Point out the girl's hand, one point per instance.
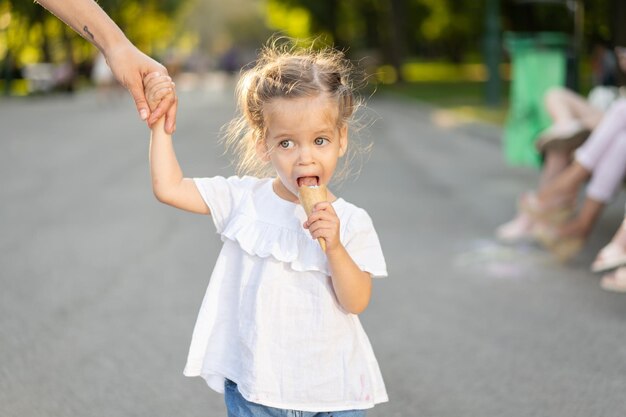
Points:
(159, 88)
(324, 223)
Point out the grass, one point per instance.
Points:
(466, 98)
(456, 88)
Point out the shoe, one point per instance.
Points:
(562, 248)
(517, 230)
(554, 213)
(614, 281)
(562, 136)
(611, 256)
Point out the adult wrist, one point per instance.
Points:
(112, 42)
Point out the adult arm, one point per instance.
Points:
(128, 64)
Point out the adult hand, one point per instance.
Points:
(129, 65)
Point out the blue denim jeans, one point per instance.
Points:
(237, 406)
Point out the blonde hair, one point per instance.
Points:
(285, 71)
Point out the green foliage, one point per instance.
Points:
(35, 35)
(448, 29)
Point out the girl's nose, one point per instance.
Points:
(305, 156)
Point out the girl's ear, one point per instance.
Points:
(343, 140)
(261, 150)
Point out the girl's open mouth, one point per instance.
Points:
(308, 181)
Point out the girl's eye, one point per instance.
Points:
(320, 141)
(285, 144)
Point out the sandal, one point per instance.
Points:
(517, 230)
(562, 136)
(562, 248)
(609, 257)
(614, 281)
(555, 213)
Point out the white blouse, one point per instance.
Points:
(270, 320)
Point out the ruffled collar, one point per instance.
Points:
(266, 225)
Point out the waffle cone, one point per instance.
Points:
(309, 197)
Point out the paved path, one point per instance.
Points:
(100, 284)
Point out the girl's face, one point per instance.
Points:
(302, 141)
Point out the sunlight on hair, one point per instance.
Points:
(285, 69)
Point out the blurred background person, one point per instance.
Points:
(602, 160)
(573, 119)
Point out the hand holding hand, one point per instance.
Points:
(158, 88)
(324, 223)
(130, 66)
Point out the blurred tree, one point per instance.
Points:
(396, 28)
(34, 35)
(429, 29)
(220, 26)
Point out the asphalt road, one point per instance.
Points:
(100, 284)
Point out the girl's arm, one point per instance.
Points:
(168, 183)
(353, 287)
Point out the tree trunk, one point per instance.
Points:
(619, 29)
(396, 31)
(619, 20)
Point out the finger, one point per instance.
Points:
(163, 106)
(161, 85)
(158, 95)
(170, 117)
(319, 225)
(324, 214)
(155, 81)
(151, 77)
(322, 233)
(136, 90)
(324, 206)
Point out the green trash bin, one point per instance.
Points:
(538, 62)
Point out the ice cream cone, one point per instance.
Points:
(309, 197)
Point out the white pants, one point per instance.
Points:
(604, 154)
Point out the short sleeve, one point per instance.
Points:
(222, 196)
(363, 245)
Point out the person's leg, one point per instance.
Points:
(564, 187)
(609, 174)
(521, 226)
(613, 123)
(555, 161)
(605, 181)
(604, 144)
(581, 225)
(573, 118)
(564, 105)
(567, 239)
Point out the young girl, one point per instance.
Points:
(278, 330)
